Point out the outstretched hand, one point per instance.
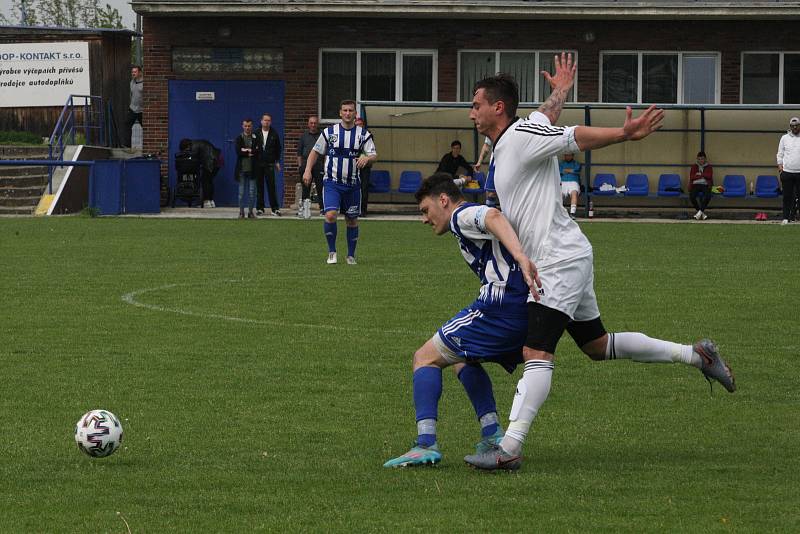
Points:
(643, 125)
(564, 75)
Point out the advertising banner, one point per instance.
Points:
(42, 74)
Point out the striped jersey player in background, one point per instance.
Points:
(491, 329)
(347, 149)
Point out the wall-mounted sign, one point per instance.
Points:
(43, 74)
(204, 95)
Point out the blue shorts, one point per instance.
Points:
(475, 335)
(343, 198)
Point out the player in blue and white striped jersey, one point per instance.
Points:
(347, 149)
(492, 328)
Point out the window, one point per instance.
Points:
(523, 65)
(381, 75)
(191, 59)
(771, 78)
(659, 77)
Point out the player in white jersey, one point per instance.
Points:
(491, 329)
(347, 149)
(527, 180)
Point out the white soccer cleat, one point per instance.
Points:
(351, 260)
(331, 258)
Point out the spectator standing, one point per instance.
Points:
(365, 174)
(701, 180)
(347, 149)
(570, 171)
(304, 147)
(267, 163)
(453, 161)
(246, 153)
(789, 168)
(136, 106)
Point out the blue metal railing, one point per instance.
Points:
(93, 125)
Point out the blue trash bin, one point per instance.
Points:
(142, 186)
(105, 186)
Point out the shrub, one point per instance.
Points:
(23, 138)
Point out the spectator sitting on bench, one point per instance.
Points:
(701, 180)
(453, 163)
(570, 181)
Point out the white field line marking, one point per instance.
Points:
(130, 298)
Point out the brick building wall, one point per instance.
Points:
(301, 39)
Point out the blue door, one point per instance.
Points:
(213, 110)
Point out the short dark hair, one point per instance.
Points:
(136, 67)
(266, 115)
(501, 87)
(435, 185)
(247, 119)
(347, 102)
(185, 144)
(701, 154)
(455, 143)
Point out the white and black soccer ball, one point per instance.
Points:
(98, 433)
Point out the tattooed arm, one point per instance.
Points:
(560, 83)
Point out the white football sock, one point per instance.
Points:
(532, 391)
(573, 208)
(640, 348)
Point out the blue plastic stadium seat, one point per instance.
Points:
(669, 185)
(734, 186)
(601, 179)
(380, 182)
(767, 186)
(409, 181)
(637, 185)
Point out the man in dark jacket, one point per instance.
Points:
(453, 161)
(267, 162)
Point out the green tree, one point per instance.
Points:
(26, 7)
(65, 13)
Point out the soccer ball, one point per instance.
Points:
(98, 433)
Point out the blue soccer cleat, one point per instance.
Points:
(487, 443)
(713, 366)
(417, 456)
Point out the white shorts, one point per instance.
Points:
(568, 287)
(569, 187)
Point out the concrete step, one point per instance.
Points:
(38, 180)
(20, 201)
(16, 210)
(21, 192)
(22, 170)
(23, 152)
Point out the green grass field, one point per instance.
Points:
(262, 390)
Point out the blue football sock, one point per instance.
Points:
(352, 240)
(330, 235)
(478, 386)
(427, 390)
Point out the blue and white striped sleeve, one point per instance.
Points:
(472, 222)
(321, 146)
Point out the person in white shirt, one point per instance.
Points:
(789, 169)
(527, 181)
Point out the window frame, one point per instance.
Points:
(497, 52)
(781, 71)
(680, 55)
(400, 53)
